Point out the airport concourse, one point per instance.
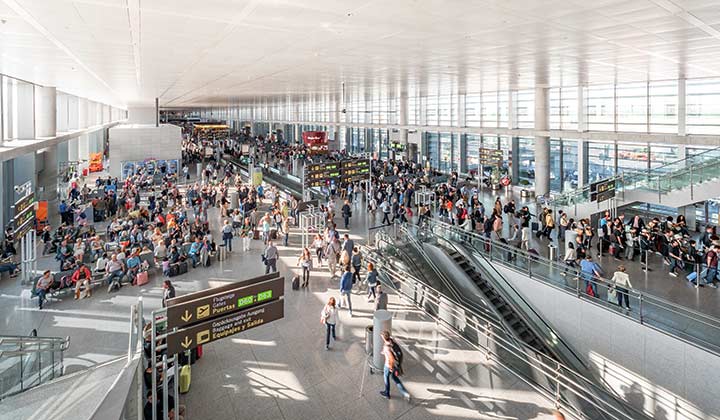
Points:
(294, 210)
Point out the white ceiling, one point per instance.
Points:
(190, 52)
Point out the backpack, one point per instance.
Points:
(398, 356)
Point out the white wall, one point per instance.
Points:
(139, 142)
(667, 377)
(141, 115)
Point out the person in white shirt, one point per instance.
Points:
(621, 280)
(329, 317)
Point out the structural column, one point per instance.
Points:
(45, 111)
(682, 109)
(542, 143)
(402, 122)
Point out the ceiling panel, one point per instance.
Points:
(185, 52)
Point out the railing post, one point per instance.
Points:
(659, 192)
(557, 386)
(641, 308)
(488, 328)
(697, 275)
(692, 188)
(39, 364)
(22, 385)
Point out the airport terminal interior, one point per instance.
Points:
(318, 209)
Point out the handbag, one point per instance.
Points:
(612, 295)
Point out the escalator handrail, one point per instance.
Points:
(647, 299)
(550, 368)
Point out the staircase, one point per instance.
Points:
(520, 328)
(29, 361)
(676, 184)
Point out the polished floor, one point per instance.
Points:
(282, 370)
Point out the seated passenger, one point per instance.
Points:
(115, 271)
(9, 267)
(43, 287)
(101, 263)
(81, 277)
(133, 264)
(194, 252)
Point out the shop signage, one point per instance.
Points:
(224, 302)
(225, 326)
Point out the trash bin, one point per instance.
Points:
(369, 340)
(552, 252)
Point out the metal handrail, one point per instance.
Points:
(647, 301)
(565, 379)
(631, 176)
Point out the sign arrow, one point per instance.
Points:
(187, 343)
(187, 316)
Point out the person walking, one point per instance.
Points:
(270, 256)
(168, 292)
(711, 259)
(590, 271)
(305, 261)
(227, 235)
(346, 211)
(346, 289)
(621, 280)
(356, 262)
(332, 253)
(393, 366)
(372, 281)
(246, 233)
(329, 317)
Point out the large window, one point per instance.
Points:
(600, 107)
(472, 147)
(489, 109)
(554, 103)
(431, 110)
(524, 103)
(632, 107)
(433, 152)
(526, 161)
(663, 102)
(413, 110)
(601, 161)
(445, 109)
(569, 164)
(555, 165)
(473, 110)
(663, 157)
(445, 152)
(703, 106)
(632, 157)
(503, 110)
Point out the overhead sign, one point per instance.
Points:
(347, 170)
(224, 302)
(602, 190)
(491, 157)
(24, 203)
(230, 286)
(225, 326)
(26, 227)
(24, 215)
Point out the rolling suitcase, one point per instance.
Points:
(142, 278)
(296, 283)
(182, 267)
(174, 270)
(256, 234)
(184, 384)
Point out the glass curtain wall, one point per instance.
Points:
(472, 147)
(526, 161)
(703, 106)
(601, 161)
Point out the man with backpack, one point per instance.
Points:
(393, 366)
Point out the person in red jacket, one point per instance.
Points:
(82, 275)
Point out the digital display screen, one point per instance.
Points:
(264, 295)
(245, 301)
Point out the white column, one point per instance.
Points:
(460, 104)
(682, 107)
(62, 112)
(73, 150)
(45, 111)
(511, 110)
(580, 109)
(581, 162)
(542, 143)
(23, 118)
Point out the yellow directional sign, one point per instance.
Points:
(224, 302)
(186, 343)
(225, 326)
(187, 316)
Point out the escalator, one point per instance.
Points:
(495, 296)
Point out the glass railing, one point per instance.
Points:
(568, 389)
(26, 362)
(661, 180)
(683, 323)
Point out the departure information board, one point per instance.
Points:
(602, 190)
(326, 173)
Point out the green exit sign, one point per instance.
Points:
(245, 301)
